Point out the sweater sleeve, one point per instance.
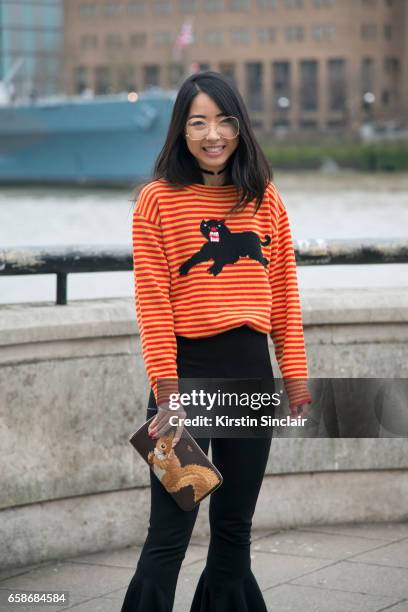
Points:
(152, 298)
(286, 318)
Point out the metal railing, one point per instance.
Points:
(72, 259)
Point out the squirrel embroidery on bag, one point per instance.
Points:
(167, 467)
(225, 247)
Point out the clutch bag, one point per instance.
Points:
(185, 470)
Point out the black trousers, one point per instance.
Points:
(227, 583)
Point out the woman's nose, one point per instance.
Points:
(212, 132)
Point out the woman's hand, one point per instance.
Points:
(160, 423)
(302, 410)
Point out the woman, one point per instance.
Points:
(215, 273)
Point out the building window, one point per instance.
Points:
(308, 124)
(162, 39)
(369, 31)
(323, 32)
(175, 73)
(240, 36)
(388, 31)
(337, 84)
(337, 123)
(266, 35)
(254, 86)
(293, 4)
(367, 79)
(294, 33)
(138, 39)
(281, 85)
(214, 37)
(151, 75)
(188, 6)
(239, 5)
(113, 41)
(309, 85)
(282, 124)
(80, 79)
(87, 10)
(391, 66)
(88, 41)
(162, 7)
(367, 74)
(214, 6)
(392, 70)
(136, 8)
(126, 78)
(324, 3)
(267, 5)
(103, 80)
(111, 9)
(389, 2)
(228, 71)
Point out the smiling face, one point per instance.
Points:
(213, 151)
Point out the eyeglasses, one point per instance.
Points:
(228, 128)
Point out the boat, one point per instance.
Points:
(84, 139)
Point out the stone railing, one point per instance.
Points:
(73, 389)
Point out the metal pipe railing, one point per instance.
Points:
(71, 259)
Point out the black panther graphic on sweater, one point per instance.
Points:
(225, 247)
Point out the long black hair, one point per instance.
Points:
(247, 167)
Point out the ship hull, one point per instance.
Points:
(100, 141)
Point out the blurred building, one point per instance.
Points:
(300, 64)
(31, 36)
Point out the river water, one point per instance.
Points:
(320, 205)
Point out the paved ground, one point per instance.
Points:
(342, 568)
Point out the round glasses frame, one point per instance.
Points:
(217, 126)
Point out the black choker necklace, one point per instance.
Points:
(210, 172)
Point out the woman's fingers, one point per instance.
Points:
(161, 425)
(301, 410)
(152, 425)
(162, 429)
(179, 432)
(161, 416)
(296, 411)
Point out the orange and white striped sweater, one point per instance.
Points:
(187, 282)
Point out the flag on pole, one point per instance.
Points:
(185, 37)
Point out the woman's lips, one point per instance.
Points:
(213, 151)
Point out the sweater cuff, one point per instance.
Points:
(298, 391)
(163, 388)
